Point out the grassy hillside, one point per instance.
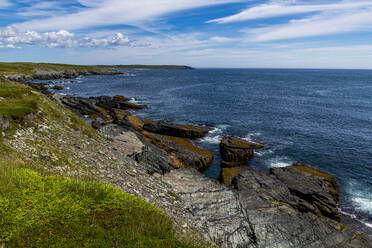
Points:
(29, 68)
(51, 193)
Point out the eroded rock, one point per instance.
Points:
(235, 151)
(317, 189)
(260, 212)
(177, 130)
(182, 151)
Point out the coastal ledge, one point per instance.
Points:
(258, 210)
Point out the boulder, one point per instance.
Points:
(154, 160)
(177, 130)
(118, 102)
(57, 87)
(118, 114)
(235, 151)
(317, 190)
(4, 123)
(183, 152)
(41, 87)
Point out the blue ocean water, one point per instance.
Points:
(319, 117)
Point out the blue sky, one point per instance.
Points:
(200, 33)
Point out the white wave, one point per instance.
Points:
(278, 162)
(212, 139)
(353, 216)
(263, 152)
(134, 101)
(362, 199)
(363, 204)
(250, 136)
(67, 88)
(215, 135)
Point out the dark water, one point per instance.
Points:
(319, 117)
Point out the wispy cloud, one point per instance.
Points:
(276, 9)
(324, 19)
(12, 38)
(4, 4)
(112, 12)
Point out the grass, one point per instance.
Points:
(29, 68)
(17, 100)
(40, 208)
(52, 211)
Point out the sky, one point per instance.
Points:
(200, 33)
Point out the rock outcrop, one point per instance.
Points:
(260, 212)
(183, 152)
(172, 129)
(235, 151)
(52, 75)
(105, 107)
(317, 190)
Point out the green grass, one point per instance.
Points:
(16, 100)
(52, 211)
(29, 68)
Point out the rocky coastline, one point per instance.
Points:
(58, 74)
(295, 206)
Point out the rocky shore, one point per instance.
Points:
(294, 206)
(53, 75)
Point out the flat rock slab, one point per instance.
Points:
(177, 130)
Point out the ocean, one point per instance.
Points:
(318, 117)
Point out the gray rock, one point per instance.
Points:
(154, 160)
(316, 189)
(259, 212)
(4, 123)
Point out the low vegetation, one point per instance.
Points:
(15, 100)
(52, 211)
(29, 68)
(42, 208)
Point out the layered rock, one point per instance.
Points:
(235, 151)
(316, 189)
(177, 130)
(105, 107)
(52, 75)
(259, 212)
(182, 151)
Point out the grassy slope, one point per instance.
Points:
(39, 209)
(29, 68)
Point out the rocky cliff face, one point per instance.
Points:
(260, 211)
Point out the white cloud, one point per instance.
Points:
(4, 4)
(61, 39)
(276, 9)
(324, 24)
(220, 39)
(322, 19)
(111, 12)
